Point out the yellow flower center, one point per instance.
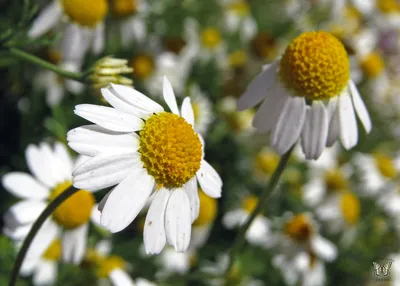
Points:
(240, 7)
(249, 203)
(170, 149)
(143, 66)
(388, 6)
(54, 56)
(86, 13)
(208, 210)
(124, 8)
(263, 45)
(107, 265)
(210, 38)
(315, 65)
(385, 165)
(237, 59)
(53, 252)
(372, 65)
(335, 180)
(350, 206)
(76, 210)
(267, 161)
(299, 228)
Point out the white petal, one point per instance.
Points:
(55, 94)
(177, 220)
(290, 124)
(347, 121)
(57, 169)
(126, 201)
(24, 212)
(334, 125)
(193, 195)
(268, 113)
(120, 278)
(46, 20)
(315, 130)
(92, 140)
(17, 232)
(46, 273)
(154, 228)
(187, 111)
(360, 108)
(105, 170)
(61, 152)
(169, 96)
(44, 237)
(74, 244)
(98, 39)
(258, 88)
(234, 218)
(323, 248)
(104, 247)
(109, 118)
(258, 231)
(28, 266)
(95, 216)
(24, 186)
(75, 43)
(210, 181)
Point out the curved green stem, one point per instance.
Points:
(35, 228)
(78, 76)
(266, 194)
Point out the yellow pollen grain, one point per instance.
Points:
(385, 165)
(237, 59)
(170, 149)
(76, 210)
(143, 66)
(240, 7)
(107, 265)
(372, 65)
(335, 180)
(299, 228)
(249, 203)
(124, 8)
(208, 210)
(350, 206)
(315, 65)
(86, 13)
(267, 161)
(210, 38)
(388, 6)
(53, 252)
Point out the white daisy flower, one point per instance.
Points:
(52, 174)
(202, 109)
(84, 29)
(258, 231)
(166, 151)
(309, 95)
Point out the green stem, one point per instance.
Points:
(35, 228)
(267, 193)
(78, 76)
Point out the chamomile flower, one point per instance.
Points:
(258, 231)
(308, 94)
(84, 29)
(165, 151)
(52, 174)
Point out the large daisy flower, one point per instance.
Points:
(52, 174)
(308, 94)
(136, 145)
(85, 28)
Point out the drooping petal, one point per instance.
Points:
(46, 272)
(154, 227)
(74, 244)
(315, 130)
(258, 88)
(209, 180)
(334, 126)
(169, 96)
(193, 194)
(347, 121)
(46, 20)
(359, 107)
(187, 111)
(24, 186)
(126, 201)
(290, 124)
(109, 118)
(120, 278)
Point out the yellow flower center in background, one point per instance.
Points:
(335, 180)
(249, 203)
(53, 252)
(170, 149)
(372, 65)
(210, 38)
(388, 6)
(76, 210)
(107, 265)
(124, 8)
(240, 7)
(86, 13)
(208, 210)
(263, 45)
(350, 206)
(143, 66)
(299, 228)
(267, 161)
(315, 65)
(385, 165)
(237, 59)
